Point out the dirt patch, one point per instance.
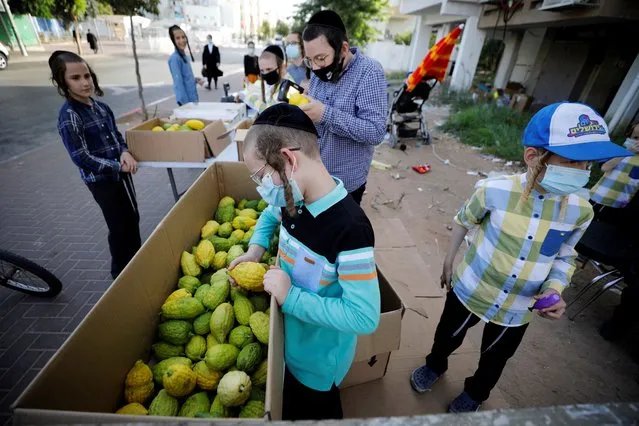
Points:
(559, 362)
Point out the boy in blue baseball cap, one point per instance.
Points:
(523, 249)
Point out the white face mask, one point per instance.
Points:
(561, 180)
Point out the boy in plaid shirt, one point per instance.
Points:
(522, 248)
(616, 202)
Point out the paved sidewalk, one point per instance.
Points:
(48, 215)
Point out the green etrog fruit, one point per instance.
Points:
(163, 350)
(202, 324)
(243, 309)
(249, 358)
(164, 405)
(175, 332)
(222, 356)
(196, 403)
(196, 348)
(241, 336)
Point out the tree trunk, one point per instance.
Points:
(145, 114)
(77, 36)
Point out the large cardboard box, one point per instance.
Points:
(189, 147)
(82, 383)
(240, 135)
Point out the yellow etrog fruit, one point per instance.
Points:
(177, 294)
(195, 124)
(210, 228)
(179, 380)
(249, 275)
(204, 253)
(244, 223)
(135, 409)
(189, 265)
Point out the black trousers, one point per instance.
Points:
(120, 209)
(303, 403)
(498, 344)
(358, 194)
(209, 78)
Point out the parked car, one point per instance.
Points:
(4, 57)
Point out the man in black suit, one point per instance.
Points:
(211, 61)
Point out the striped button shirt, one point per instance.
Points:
(354, 119)
(517, 251)
(91, 137)
(327, 250)
(617, 187)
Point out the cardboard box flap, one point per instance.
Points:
(275, 377)
(401, 276)
(387, 337)
(212, 137)
(391, 233)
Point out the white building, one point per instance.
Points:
(441, 16)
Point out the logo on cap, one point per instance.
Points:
(586, 127)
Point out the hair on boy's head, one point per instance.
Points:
(172, 30)
(58, 65)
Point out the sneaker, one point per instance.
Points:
(423, 379)
(463, 404)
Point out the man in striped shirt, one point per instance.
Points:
(349, 101)
(522, 249)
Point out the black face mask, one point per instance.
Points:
(271, 77)
(331, 73)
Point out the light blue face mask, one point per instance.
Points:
(628, 143)
(274, 194)
(561, 180)
(292, 51)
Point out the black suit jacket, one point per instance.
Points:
(211, 59)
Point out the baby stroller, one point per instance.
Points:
(407, 108)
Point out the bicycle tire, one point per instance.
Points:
(53, 284)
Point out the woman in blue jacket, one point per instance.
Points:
(184, 82)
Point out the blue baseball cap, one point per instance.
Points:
(574, 131)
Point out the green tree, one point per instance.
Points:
(265, 32)
(403, 38)
(70, 12)
(104, 9)
(131, 8)
(356, 14)
(281, 28)
(39, 8)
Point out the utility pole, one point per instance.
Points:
(5, 6)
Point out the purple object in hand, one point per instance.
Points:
(546, 302)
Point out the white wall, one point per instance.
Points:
(393, 57)
(527, 55)
(468, 57)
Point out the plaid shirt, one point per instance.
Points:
(94, 143)
(516, 252)
(617, 187)
(354, 119)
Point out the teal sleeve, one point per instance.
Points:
(267, 223)
(356, 311)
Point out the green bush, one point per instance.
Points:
(497, 130)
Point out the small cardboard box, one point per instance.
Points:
(240, 135)
(189, 147)
(83, 381)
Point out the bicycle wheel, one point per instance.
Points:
(23, 275)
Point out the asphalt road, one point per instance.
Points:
(29, 104)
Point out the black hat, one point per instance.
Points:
(286, 115)
(275, 50)
(327, 18)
